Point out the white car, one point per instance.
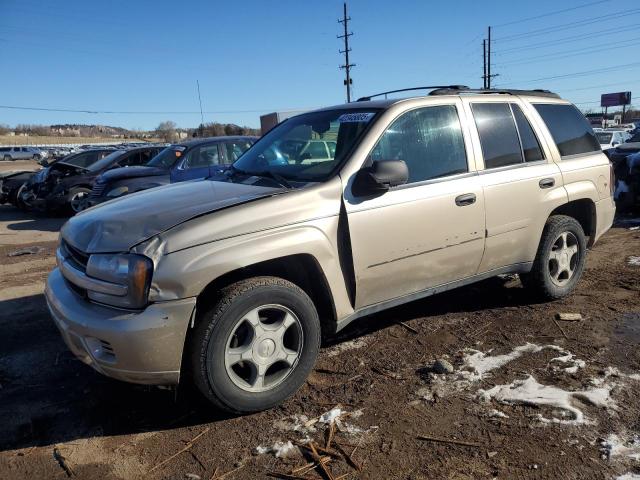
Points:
(21, 153)
(611, 138)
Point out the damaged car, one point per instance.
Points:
(185, 161)
(231, 282)
(65, 186)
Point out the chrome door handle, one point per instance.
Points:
(546, 183)
(466, 199)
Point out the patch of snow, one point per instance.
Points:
(530, 392)
(633, 261)
(477, 364)
(279, 449)
(629, 476)
(346, 346)
(330, 416)
(614, 446)
(493, 413)
(569, 358)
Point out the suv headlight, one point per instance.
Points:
(130, 270)
(118, 191)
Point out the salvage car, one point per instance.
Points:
(627, 191)
(186, 161)
(21, 153)
(66, 186)
(611, 138)
(14, 183)
(230, 282)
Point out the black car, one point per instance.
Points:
(66, 186)
(190, 160)
(13, 183)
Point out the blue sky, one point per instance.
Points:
(252, 57)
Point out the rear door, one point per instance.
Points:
(198, 162)
(430, 231)
(521, 183)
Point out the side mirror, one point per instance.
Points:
(380, 177)
(44, 163)
(613, 144)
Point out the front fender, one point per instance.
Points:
(186, 273)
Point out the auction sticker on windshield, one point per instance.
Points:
(355, 117)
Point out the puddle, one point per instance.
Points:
(629, 329)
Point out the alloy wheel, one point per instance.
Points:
(563, 258)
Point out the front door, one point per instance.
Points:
(425, 233)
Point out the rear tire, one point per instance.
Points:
(560, 259)
(7, 158)
(256, 346)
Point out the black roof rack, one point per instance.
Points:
(483, 91)
(460, 89)
(437, 87)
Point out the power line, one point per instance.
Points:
(574, 52)
(584, 73)
(566, 26)
(551, 13)
(129, 112)
(570, 39)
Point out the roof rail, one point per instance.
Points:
(437, 87)
(482, 91)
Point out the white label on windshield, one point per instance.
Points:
(355, 117)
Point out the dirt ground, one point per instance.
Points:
(529, 396)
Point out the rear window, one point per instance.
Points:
(569, 128)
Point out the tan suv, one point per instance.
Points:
(231, 281)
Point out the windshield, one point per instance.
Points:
(604, 137)
(167, 157)
(105, 162)
(307, 147)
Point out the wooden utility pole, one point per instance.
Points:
(489, 58)
(347, 66)
(484, 63)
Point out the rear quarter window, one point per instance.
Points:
(569, 128)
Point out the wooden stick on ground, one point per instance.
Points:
(446, 440)
(408, 327)
(189, 444)
(330, 433)
(316, 457)
(62, 461)
(349, 459)
(225, 475)
(560, 328)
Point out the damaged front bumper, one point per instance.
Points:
(139, 347)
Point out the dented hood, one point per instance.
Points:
(120, 224)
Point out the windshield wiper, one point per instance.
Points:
(279, 179)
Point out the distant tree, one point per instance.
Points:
(4, 129)
(167, 131)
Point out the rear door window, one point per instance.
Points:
(498, 134)
(530, 145)
(203, 156)
(569, 128)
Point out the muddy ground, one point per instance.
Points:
(57, 414)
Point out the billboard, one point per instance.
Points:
(615, 99)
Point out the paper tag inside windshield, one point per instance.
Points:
(361, 117)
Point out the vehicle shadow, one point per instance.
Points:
(48, 396)
(18, 220)
(496, 292)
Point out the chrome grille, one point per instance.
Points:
(79, 258)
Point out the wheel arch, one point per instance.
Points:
(301, 269)
(584, 211)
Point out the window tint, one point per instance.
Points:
(130, 160)
(235, 149)
(530, 146)
(429, 140)
(569, 128)
(498, 134)
(315, 150)
(201, 157)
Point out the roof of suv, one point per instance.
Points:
(452, 90)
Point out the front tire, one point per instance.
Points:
(78, 199)
(256, 346)
(560, 259)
